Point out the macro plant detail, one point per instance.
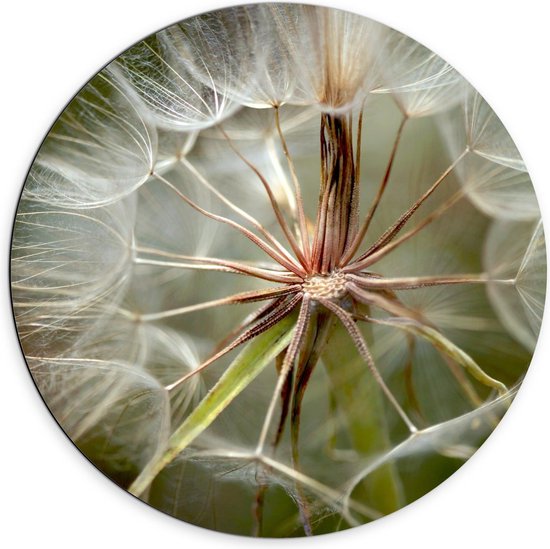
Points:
(278, 270)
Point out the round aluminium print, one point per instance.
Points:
(278, 270)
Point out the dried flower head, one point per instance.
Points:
(278, 270)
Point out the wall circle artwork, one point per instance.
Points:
(278, 270)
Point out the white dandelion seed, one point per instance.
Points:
(515, 253)
(100, 149)
(69, 268)
(493, 173)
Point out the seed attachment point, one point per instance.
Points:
(331, 286)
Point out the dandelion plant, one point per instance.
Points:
(278, 270)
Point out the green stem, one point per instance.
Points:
(242, 371)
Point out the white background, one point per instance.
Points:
(49, 493)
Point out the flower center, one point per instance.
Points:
(331, 286)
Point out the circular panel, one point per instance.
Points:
(278, 270)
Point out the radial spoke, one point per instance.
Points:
(390, 234)
(212, 263)
(289, 205)
(267, 266)
(291, 353)
(378, 300)
(180, 265)
(321, 218)
(379, 252)
(291, 266)
(358, 145)
(244, 297)
(263, 325)
(410, 321)
(286, 393)
(444, 345)
(248, 321)
(297, 191)
(275, 206)
(376, 201)
(359, 341)
(414, 282)
(306, 365)
(270, 238)
(455, 370)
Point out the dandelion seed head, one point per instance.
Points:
(278, 269)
